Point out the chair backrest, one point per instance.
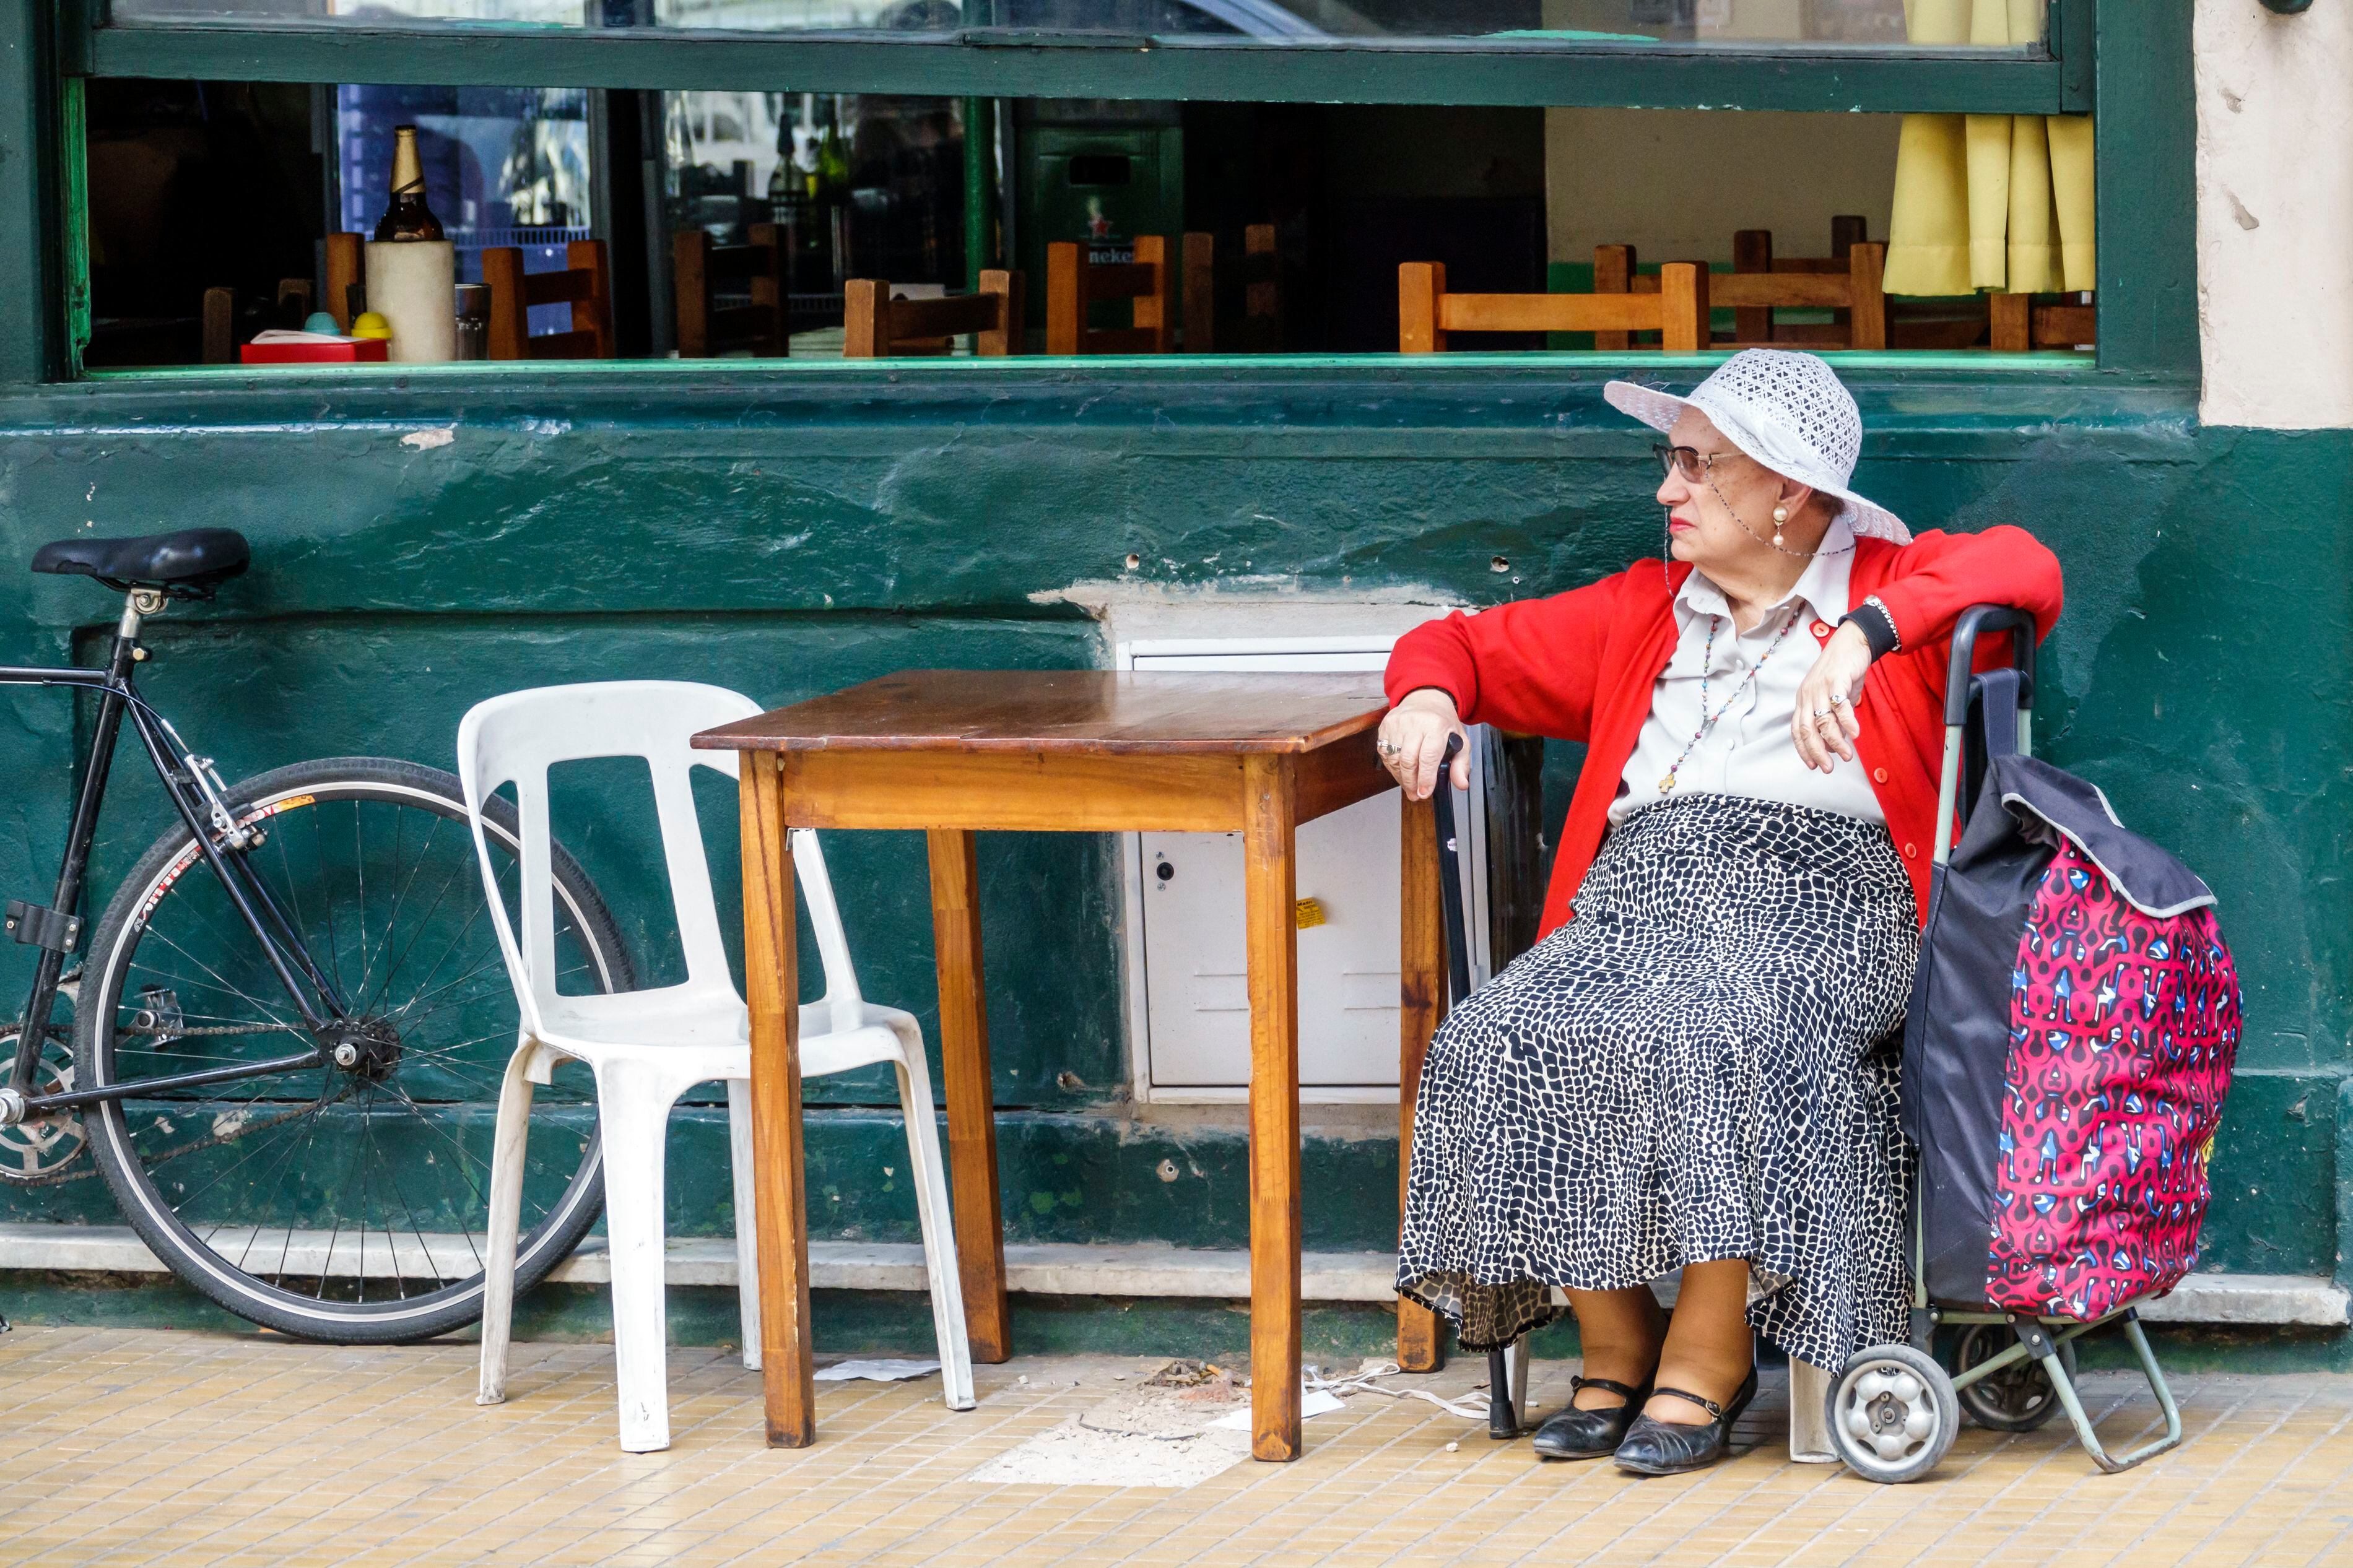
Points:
(516, 738)
(697, 269)
(1074, 284)
(1848, 283)
(584, 281)
(1260, 328)
(878, 324)
(1677, 311)
(346, 265)
(2019, 324)
(1261, 271)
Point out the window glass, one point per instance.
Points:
(759, 226)
(503, 165)
(844, 184)
(1940, 23)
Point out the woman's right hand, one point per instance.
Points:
(1412, 742)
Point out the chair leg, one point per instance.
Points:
(929, 1171)
(505, 1220)
(747, 1240)
(633, 1111)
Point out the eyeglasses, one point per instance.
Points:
(1692, 463)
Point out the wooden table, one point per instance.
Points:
(951, 753)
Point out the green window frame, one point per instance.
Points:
(2131, 62)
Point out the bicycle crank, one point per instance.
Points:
(38, 1149)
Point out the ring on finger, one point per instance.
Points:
(1837, 698)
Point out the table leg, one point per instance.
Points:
(971, 1096)
(780, 1178)
(1421, 1002)
(1270, 812)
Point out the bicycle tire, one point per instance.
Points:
(276, 798)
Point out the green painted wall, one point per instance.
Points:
(790, 533)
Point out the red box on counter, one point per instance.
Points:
(278, 347)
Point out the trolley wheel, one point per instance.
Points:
(2019, 1397)
(1892, 1414)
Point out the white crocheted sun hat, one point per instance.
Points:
(1787, 410)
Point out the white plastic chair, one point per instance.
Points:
(647, 1047)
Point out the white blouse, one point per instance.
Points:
(1748, 752)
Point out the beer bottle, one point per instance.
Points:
(407, 217)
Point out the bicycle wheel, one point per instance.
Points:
(337, 1203)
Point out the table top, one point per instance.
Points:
(1104, 712)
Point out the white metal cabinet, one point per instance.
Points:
(1188, 979)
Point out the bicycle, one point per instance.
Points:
(287, 1068)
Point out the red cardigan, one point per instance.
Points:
(1582, 666)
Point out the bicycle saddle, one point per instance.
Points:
(193, 559)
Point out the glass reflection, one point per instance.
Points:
(1948, 23)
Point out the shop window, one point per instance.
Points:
(1274, 21)
(1279, 227)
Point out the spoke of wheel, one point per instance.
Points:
(329, 1263)
(400, 1194)
(293, 885)
(465, 1160)
(424, 924)
(274, 1181)
(402, 1012)
(239, 1163)
(258, 1026)
(392, 916)
(334, 942)
(477, 1196)
(258, 1004)
(190, 909)
(359, 869)
(463, 931)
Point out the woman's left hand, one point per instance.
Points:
(1824, 726)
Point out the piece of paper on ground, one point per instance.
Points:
(875, 1371)
(1310, 1404)
(1171, 1432)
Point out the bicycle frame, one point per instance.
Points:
(197, 798)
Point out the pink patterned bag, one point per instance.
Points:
(2068, 1047)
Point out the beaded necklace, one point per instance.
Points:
(1707, 721)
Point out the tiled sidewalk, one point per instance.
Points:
(124, 1446)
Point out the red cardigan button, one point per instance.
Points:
(1879, 775)
(1911, 852)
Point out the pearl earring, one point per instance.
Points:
(1780, 516)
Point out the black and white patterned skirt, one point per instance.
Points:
(1700, 1065)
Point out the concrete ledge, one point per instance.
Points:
(1145, 1271)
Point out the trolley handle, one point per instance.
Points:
(1449, 877)
(1958, 684)
(1977, 619)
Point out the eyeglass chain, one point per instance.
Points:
(1780, 516)
(1707, 662)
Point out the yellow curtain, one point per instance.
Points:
(2002, 201)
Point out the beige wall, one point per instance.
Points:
(1675, 183)
(2275, 214)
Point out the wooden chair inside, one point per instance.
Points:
(1259, 329)
(878, 324)
(585, 282)
(1675, 307)
(1075, 284)
(2021, 322)
(346, 266)
(702, 272)
(1847, 285)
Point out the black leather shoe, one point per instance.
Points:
(1573, 1433)
(1655, 1447)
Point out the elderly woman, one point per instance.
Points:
(1693, 1069)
